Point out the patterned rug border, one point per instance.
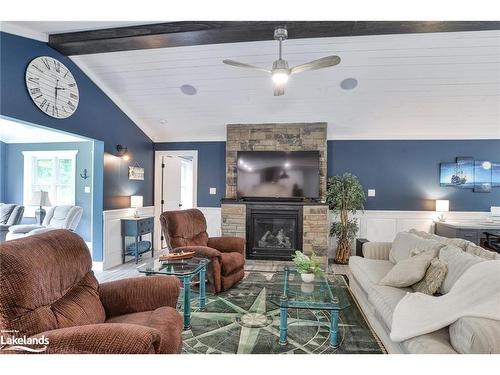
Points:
(379, 342)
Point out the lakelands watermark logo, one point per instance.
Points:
(11, 341)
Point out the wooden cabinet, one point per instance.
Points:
(137, 227)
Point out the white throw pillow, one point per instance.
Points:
(406, 242)
(458, 262)
(407, 271)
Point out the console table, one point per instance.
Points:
(137, 227)
(473, 232)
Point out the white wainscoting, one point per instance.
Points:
(377, 225)
(112, 238)
(373, 224)
(213, 217)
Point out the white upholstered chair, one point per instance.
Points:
(58, 217)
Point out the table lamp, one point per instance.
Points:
(40, 198)
(136, 202)
(442, 205)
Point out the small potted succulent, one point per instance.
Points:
(307, 267)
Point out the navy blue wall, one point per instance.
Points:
(211, 168)
(405, 174)
(2, 170)
(14, 168)
(97, 117)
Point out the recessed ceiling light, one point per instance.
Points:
(163, 121)
(349, 83)
(188, 90)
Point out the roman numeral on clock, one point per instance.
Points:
(34, 90)
(57, 66)
(34, 80)
(71, 105)
(46, 63)
(73, 96)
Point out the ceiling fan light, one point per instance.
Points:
(280, 77)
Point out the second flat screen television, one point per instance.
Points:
(278, 174)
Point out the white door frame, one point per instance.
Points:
(158, 185)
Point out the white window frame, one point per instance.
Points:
(29, 167)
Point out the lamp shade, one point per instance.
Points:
(136, 201)
(40, 198)
(442, 205)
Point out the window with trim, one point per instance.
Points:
(51, 171)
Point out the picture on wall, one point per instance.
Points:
(452, 175)
(465, 171)
(482, 176)
(495, 174)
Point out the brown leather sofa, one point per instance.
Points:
(186, 230)
(47, 288)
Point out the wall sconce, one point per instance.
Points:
(122, 152)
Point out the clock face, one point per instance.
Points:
(52, 87)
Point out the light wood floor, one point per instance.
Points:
(130, 269)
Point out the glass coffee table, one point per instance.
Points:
(317, 295)
(186, 270)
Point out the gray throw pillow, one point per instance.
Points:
(5, 211)
(407, 271)
(406, 242)
(458, 261)
(433, 279)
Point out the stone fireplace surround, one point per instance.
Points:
(274, 137)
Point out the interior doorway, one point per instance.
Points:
(176, 174)
(68, 167)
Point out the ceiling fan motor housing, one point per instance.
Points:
(280, 64)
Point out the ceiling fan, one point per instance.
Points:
(280, 71)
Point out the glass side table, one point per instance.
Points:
(186, 270)
(317, 295)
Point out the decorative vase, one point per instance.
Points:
(307, 277)
(307, 288)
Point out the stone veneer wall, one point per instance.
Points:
(274, 137)
(233, 220)
(315, 232)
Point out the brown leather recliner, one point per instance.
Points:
(47, 288)
(186, 230)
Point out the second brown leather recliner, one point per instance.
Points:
(186, 230)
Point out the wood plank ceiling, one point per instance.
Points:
(410, 86)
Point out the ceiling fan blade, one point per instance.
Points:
(243, 65)
(279, 90)
(324, 62)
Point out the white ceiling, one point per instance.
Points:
(16, 132)
(413, 86)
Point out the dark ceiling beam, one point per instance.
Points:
(177, 34)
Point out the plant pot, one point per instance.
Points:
(307, 277)
(307, 288)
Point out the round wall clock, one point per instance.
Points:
(52, 87)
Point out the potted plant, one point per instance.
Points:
(344, 196)
(307, 267)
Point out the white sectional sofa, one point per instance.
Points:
(466, 335)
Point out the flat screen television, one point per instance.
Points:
(278, 174)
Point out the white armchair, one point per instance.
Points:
(58, 217)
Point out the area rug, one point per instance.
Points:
(245, 320)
